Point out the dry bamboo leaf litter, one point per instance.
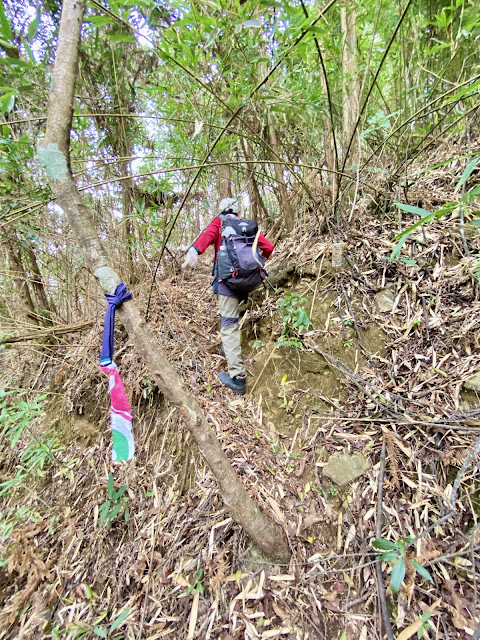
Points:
(67, 573)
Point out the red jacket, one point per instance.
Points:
(212, 235)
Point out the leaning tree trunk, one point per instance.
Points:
(53, 154)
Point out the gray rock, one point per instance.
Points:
(384, 300)
(346, 468)
(473, 383)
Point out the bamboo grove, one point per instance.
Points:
(181, 104)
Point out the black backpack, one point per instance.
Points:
(239, 263)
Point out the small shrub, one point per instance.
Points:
(395, 552)
(295, 319)
(110, 509)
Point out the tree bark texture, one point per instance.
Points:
(330, 155)
(224, 182)
(284, 202)
(256, 202)
(128, 207)
(123, 147)
(38, 284)
(53, 154)
(351, 82)
(21, 281)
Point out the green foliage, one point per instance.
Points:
(477, 268)
(275, 443)
(34, 452)
(287, 405)
(378, 125)
(295, 319)
(197, 585)
(466, 173)
(5, 28)
(115, 502)
(395, 552)
(10, 519)
(464, 204)
(15, 418)
(100, 632)
(74, 631)
(27, 451)
(425, 624)
(286, 456)
(179, 70)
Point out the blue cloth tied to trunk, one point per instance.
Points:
(120, 296)
(120, 411)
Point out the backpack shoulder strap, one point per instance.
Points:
(254, 249)
(222, 217)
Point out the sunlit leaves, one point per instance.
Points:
(7, 101)
(445, 18)
(99, 21)
(422, 571)
(383, 544)
(398, 574)
(121, 37)
(396, 554)
(412, 209)
(467, 172)
(5, 28)
(33, 27)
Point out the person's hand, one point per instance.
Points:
(191, 258)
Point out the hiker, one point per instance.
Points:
(240, 253)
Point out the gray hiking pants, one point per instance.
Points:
(230, 333)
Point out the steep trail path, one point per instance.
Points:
(179, 566)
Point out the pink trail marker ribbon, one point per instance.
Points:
(120, 411)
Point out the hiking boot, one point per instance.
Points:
(222, 351)
(237, 384)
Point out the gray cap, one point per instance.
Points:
(229, 203)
